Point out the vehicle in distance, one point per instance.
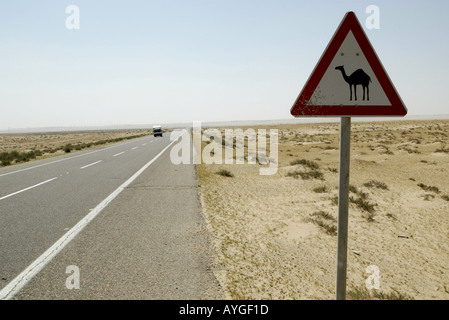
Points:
(157, 131)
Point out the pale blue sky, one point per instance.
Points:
(143, 61)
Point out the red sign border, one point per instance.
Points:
(301, 109)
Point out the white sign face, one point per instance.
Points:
(349, 79)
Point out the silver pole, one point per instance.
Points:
(343, 201)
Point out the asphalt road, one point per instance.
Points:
(147, 241)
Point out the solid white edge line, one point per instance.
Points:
(12, 288)
(91, 164)
(36, 185)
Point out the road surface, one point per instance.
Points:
(121, 218)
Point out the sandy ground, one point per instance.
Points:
(275, 235)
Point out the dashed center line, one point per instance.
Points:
(115, 155)
(144, 144)
(36, 185)
(90, 164)
(134, 148)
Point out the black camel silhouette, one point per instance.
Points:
(357, 77)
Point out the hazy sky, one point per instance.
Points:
(143, 61)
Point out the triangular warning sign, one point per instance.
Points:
(349, 79)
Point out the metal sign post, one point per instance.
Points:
(343, 204)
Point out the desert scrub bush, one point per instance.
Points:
(321, 189)
(353, 189)
(307, 163)
(391, 216)
(314, 174)
(225, 173)
(361, 194)
(7, 158)
(293, 174)
(445, 197)
(428, 196)
(324, 220)
(443, 148)
(306, 175)
(428, 188)
(26, 156)
(67, 148)
(365, 294)
(334, 200)
(363, 204)
(376, 184)
(409, 150)
(361, 201)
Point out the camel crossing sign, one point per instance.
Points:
(349, 79)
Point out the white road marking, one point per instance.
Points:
(12, 288)
(91, 164)
(115, 155)
(144, 144)
(134, 148)
(36, 185)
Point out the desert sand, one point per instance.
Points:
(275, 235)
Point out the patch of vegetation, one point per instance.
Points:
(225, 173)
(353, 189)
(306, 175)
(314, 174)
(293, 174)
(361, 201)
(409, 150)
(363, 204)
(307, 163)
(321, 189)
(67, 148)
(8, 158)
(443, 148)
(428, 197)
(387, 151)
(325, 221)
(445, 197)
(359, 193)
(375, 184)
(365, 294)
(428, 188)
(391, 216)
(334, 200)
